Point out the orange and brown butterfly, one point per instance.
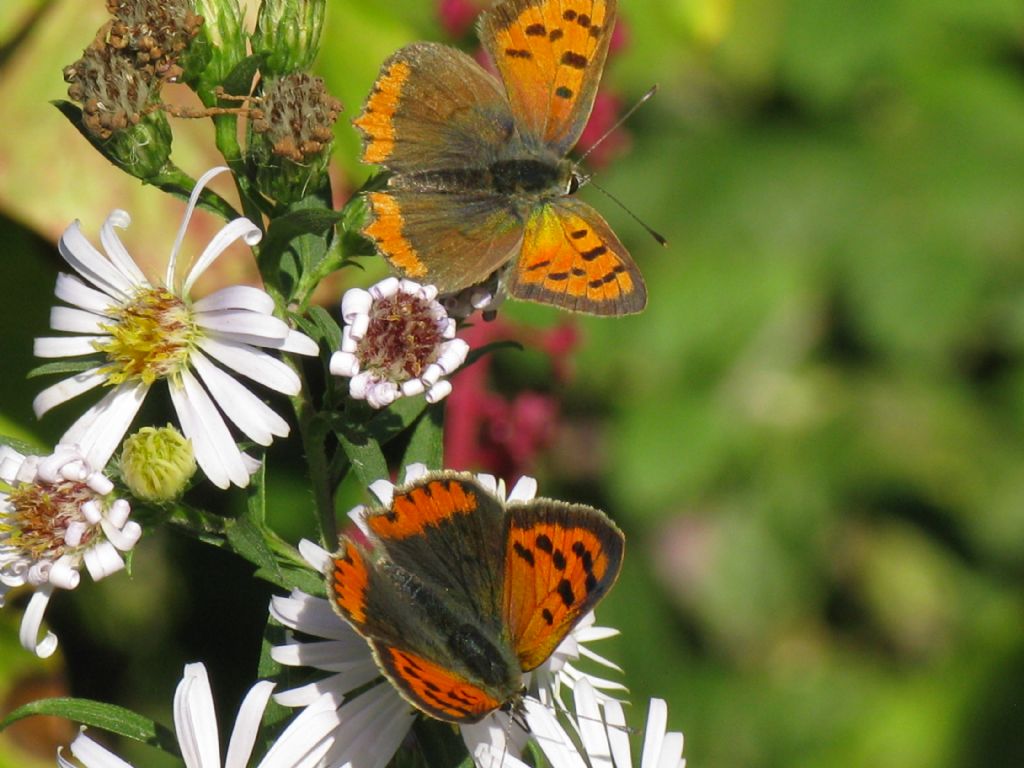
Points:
(460, 592)
(479, 179)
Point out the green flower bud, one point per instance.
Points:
(288, 34)
(219, 47)
(157, 464)
(292, 131)
(120, 110)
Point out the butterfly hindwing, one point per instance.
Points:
(571, 258)
(434, 688)
(449, 240)
(561, 560)
(432, 107)
(550, 56)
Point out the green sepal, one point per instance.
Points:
(62, 366)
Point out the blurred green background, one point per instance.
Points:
(813, 437)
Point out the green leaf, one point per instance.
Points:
(246, 539)
(62, 366)
(109, 717)
(366, 457)
(303, 230)
(25, 449)
(327, 329)
(427, 442)
(239, 79)
(441, 744)
(395, 419)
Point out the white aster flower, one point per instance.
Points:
(601, 730)
(303, 743)
(397, 341)
(57, 514)
(147, 332)
(374, 722)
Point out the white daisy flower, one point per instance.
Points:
(374, 722)
(601, 730)
(147, 332)
(57, 514)
(303, 743)
(397, 341)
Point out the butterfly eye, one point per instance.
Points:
(573, 185)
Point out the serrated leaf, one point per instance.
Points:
(326, 326)
(426, 445)
(62, 366)
(246, 539)
(96, 714)
(365, 456)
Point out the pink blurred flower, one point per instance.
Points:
(498, 433)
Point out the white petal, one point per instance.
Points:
(66, 346)
(67, 389)
(115, 248)
(671, 751)
(91, 264)
(100, 429)
(102, 560)
(343, 364)
(299, 344)
(618, 735)
(385, 289)
(92, 755)
(195, 720)
(241, 322)
(525, 489)
(372, 728)
(236, 297)
(228, 234)
(413, 472)
(256, 420)
(358, 327)
(73, 290)
(77, 320)
(439, 391)
(247, 724)
(356, 301)
(551, 737)
(329, 655)
(314, 554)
(654, 733)
(254, 364)
(591, 726)
(412, 387)
(307, 739)
(31, 623)
(215, 449)
(384, 490)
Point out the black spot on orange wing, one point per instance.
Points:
(518, 53)
(555, 35)
(563, 92)
(536, 30)
(569, 15)
(574, 60)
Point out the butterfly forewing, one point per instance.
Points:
(571, 258)
(550, 56)
(561, 559)
(433, 107)
(448, 532)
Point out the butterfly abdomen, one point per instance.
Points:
(521, 176)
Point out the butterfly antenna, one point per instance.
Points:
(629, 113)
(659, 238)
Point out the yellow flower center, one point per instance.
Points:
(151, 338)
